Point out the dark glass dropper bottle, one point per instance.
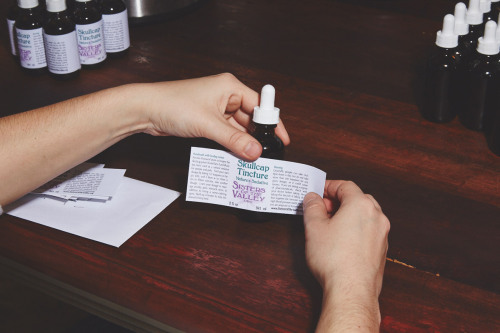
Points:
(116, 31)
(474, 18)
(61, 46)
(441, 84)
(29, 32)
(481, 77)
(265, 119)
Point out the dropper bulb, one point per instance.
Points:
(267, 97)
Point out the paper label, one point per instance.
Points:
(91, 43)
(31, 48)
(265, 185)
(116, 32)
(62, 53)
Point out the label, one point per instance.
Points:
(265, 185)
(31, 49)
(62, 53)
(116, 33)
(90, 40)
(12, 36)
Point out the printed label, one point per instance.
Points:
(91, 43)
(62, 53)
(12, 36)
(265, 185)
(31, 49)
(116, 33)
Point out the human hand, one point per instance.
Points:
(346, 251)
(217, 107)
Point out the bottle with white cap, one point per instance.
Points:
(462, 28)
(265, 119)
(29, 34)
(441, 92)
(116, 32)
(481, 79)
(61, 47)
(90, 33)
(474, 18)
(485, 8)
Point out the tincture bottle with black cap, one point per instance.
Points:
(29, 35)
(12, 13)
(265, 119)
(441, 83)
(61, 47)
(474, 18)
(90, 33)
(481, 79)
(116, 31)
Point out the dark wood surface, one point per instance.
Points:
(347, 76)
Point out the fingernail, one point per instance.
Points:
(252, 149)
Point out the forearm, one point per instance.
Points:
(349, 308)
(38, 145)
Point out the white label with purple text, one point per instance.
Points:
(31, 48)
(265, 185)
(90, 38)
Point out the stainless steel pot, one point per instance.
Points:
(143, 10)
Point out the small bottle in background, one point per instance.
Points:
(61, 47)
(485, 8)
(265, 119)
(442, 82)
(474, 18)
(12, 13)
(90, 33)
(481, 81)
(116, 31)
(29, 35)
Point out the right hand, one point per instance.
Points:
(350, 247)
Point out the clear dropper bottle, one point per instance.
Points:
(441, 83)
(481, 79)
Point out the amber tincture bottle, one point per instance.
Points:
(265, 119)
(481, 82)
(61, 46)
(116, 31)
(90, 33)
(442, 76)
(29, 34)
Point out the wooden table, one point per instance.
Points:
(346, 74)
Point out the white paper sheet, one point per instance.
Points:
(113, 222)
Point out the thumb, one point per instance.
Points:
(314, 208)
(241, 143)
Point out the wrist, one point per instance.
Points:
(349, 305)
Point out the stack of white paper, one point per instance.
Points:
(94, 202)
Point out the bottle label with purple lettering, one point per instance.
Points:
(90, 38)
(31, 48)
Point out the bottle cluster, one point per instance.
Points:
(64, 37)
(463, 72)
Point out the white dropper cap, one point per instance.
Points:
(266, 113)
(474, 15)
(488, 44)
(485, 6)
(27, 4)
(497, 35)
(446, 38)
(461, 27)
(55, 6)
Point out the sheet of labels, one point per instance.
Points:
(265, 185)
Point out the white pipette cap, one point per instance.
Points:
(266, 113)
(461, 26)
(26, 4)
(446, 37)
(474, 15)
(55, 6)
(488, 44)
